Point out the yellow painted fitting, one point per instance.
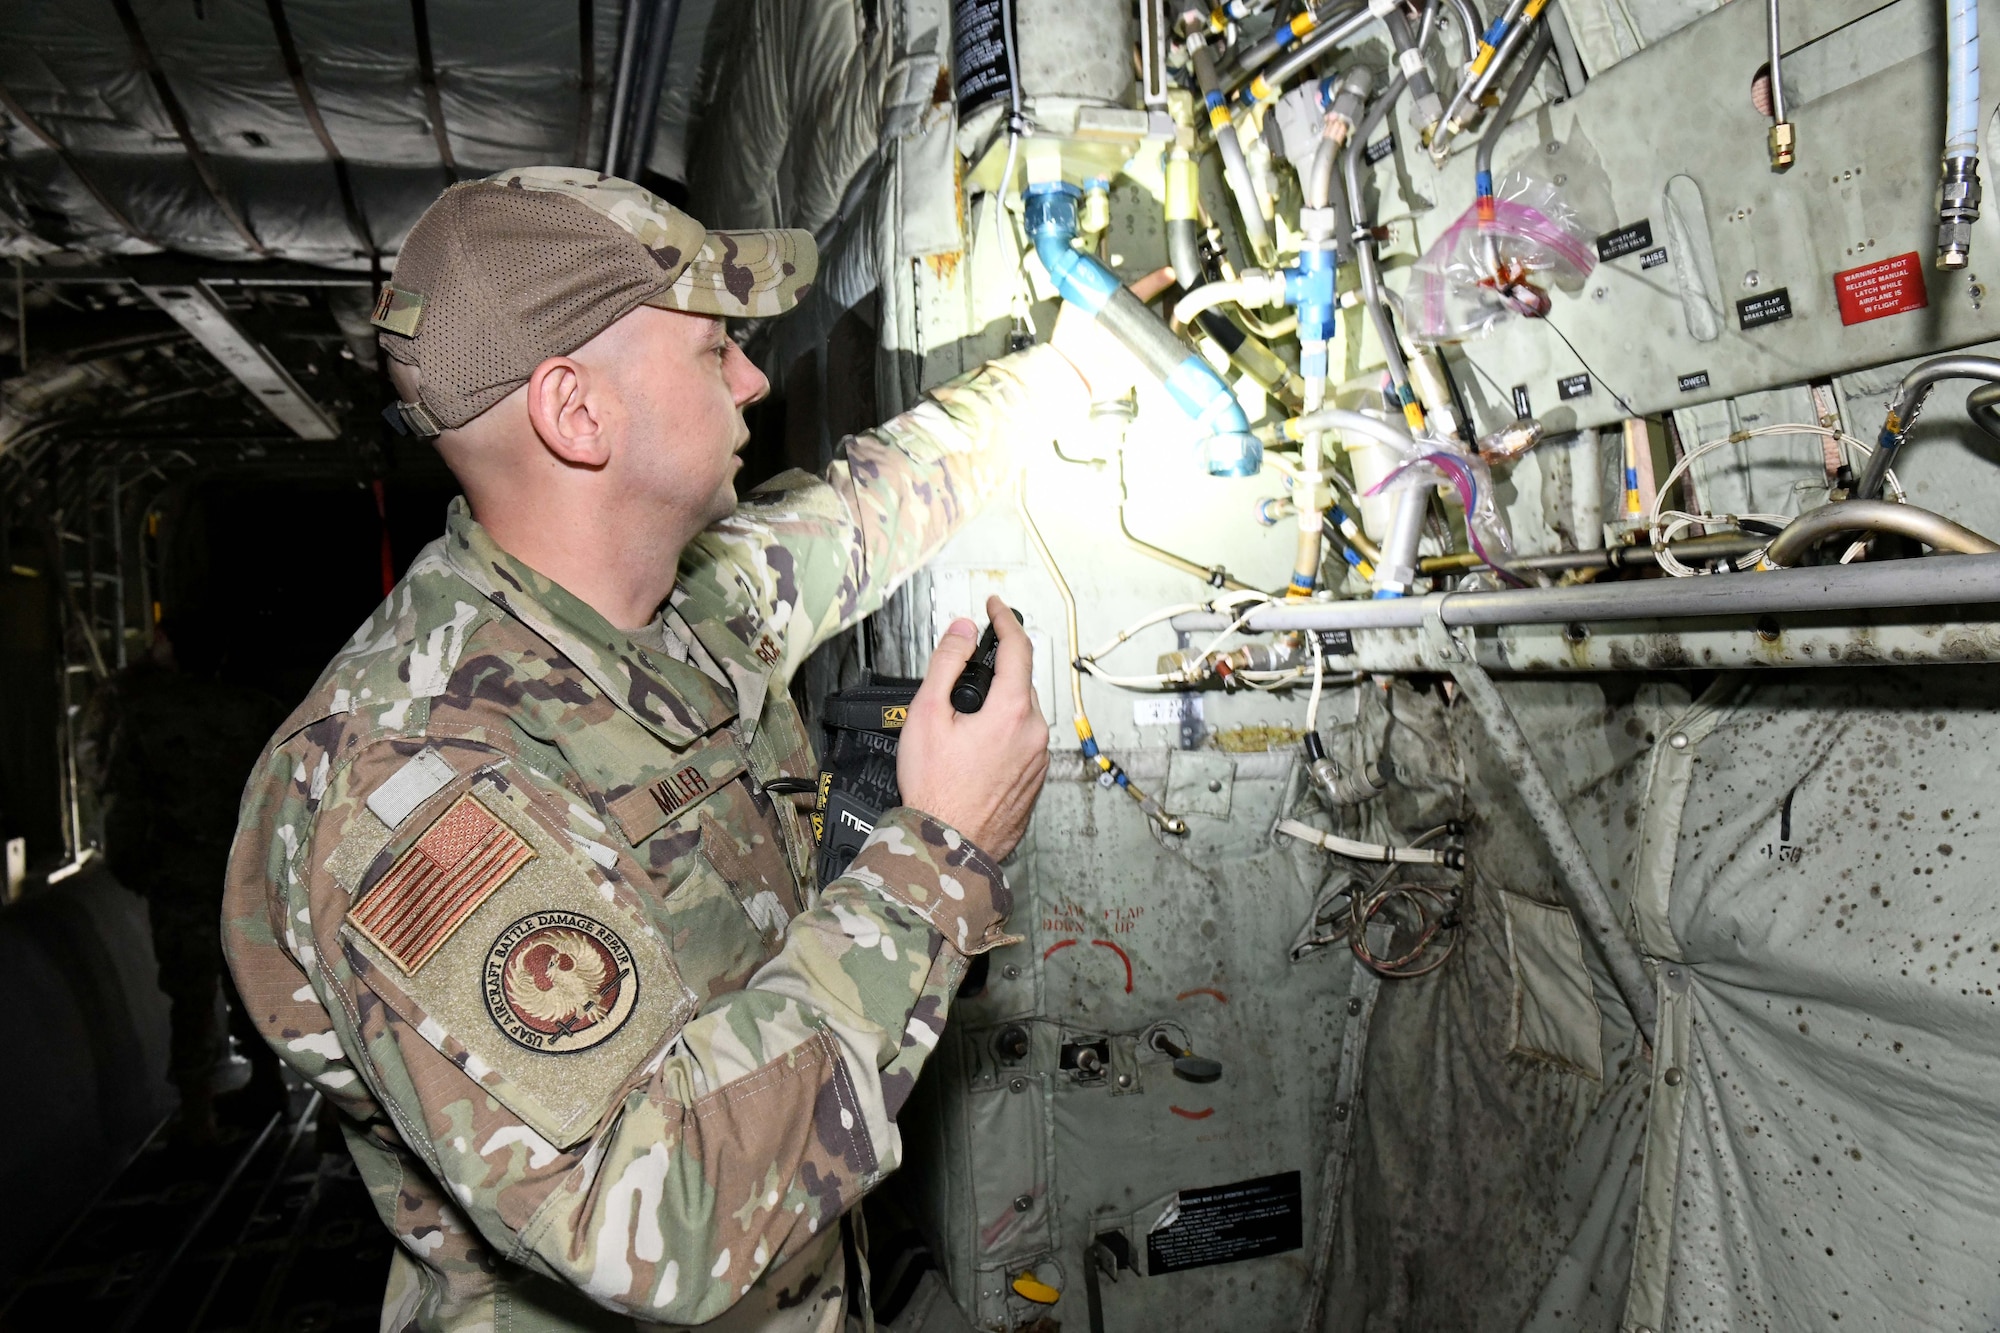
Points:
(1261, 91)
(1083, 732)
(1183, 188)
(1292, 431)
(1414, 415)
(1783, 145)
(1218, 117)
(1482, 60)
(1029, 1287)
(1096, 215)
(1533, 11)
(1218, 21)
(1304, 24)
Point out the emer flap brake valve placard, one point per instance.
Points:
(1885, 287)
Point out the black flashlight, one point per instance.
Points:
(968, 694)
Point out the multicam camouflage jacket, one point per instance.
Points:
(513, 893)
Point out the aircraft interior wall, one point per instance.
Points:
(1520, 666)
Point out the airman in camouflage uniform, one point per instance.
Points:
(513, 892)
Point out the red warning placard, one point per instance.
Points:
(1886, 287)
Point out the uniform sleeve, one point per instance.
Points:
(817, 554)
(748, 1123)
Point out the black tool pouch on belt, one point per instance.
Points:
(857, 779)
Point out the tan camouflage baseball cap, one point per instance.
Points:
(500, 274)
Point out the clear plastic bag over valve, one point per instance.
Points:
(1481, 272)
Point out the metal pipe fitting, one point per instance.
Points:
(1816, 525)
(1908, 401)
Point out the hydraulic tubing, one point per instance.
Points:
(1574, 77)
(1574, 872)
(1782, 138)
(1959, 208)
(1286, 37)
(1970, 580)
(1489, 139)
(1426, 106)
(1250, 355)
(1229, 449)
(1517, 93)
(1235, 168)
(1468, 20)
(1471, 92)
(1688, 550)
(1365, 257)
(1908, 402)
(1816, 525)
(1269, 85)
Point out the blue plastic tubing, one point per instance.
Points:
(1228, 447)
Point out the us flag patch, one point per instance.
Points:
(441, 880)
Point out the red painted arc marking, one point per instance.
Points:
(1203, 990)
(1123, 957)
(1202, 1114)
(1059, 944)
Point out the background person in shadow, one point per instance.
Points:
(176, 742)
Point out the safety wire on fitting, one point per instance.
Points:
(1109, 774)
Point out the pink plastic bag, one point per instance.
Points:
(1476, 275)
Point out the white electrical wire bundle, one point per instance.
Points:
(1663, 525)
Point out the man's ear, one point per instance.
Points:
(563, 409)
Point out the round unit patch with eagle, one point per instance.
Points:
(560, 981)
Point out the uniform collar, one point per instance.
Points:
(673, 700)
(745, 650)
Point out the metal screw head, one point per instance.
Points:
(1215, 784)
(1552, 148)
(1124, 1080)
(1678, 740)
(1017, 1085)
(1354, 1007)
(1023, 1202)
(1753, 280)
(1599, 293)
(1673, 1077)
(1576, 631)
(1012, 972)
(1340, 1111)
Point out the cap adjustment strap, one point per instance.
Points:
(412, 419)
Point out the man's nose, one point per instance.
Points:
(747, 384)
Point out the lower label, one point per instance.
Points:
(1225, 1223)
(1698, 380)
